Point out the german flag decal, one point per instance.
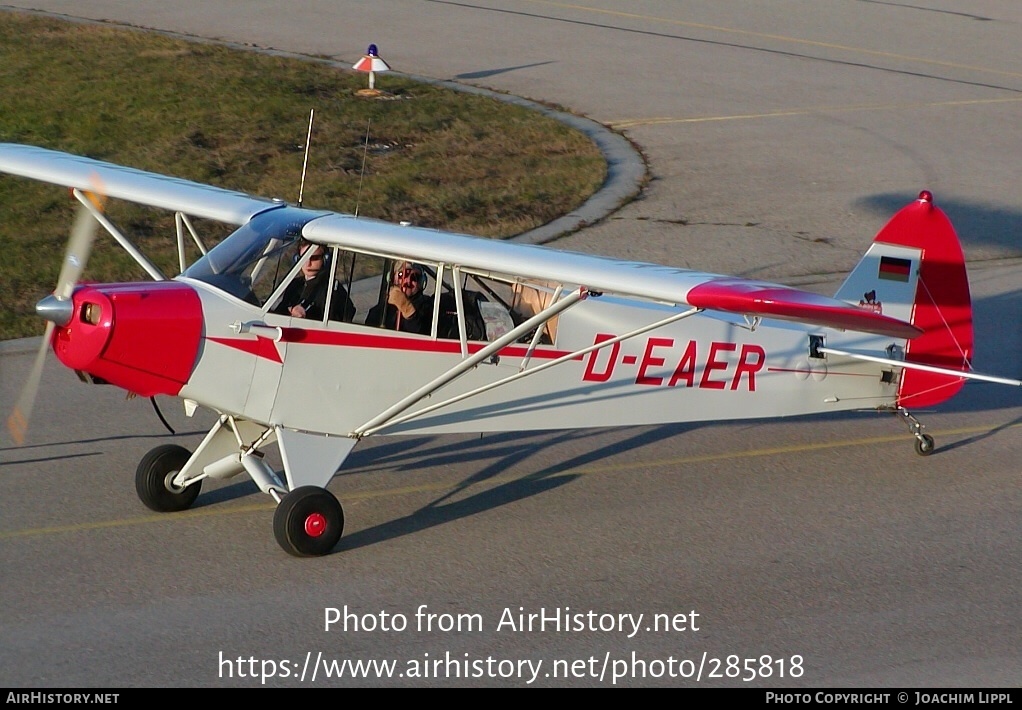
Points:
(894, 269)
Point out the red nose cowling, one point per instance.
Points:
(143, 337)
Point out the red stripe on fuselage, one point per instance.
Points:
(264, 347)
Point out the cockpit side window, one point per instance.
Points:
(265, 271)
(485, 308)
(250, 263)
(340, 305)
(312, 290)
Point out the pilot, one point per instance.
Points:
(305, 296)
(408, 308)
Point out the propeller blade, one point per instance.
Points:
(17, 422)
(79, 246)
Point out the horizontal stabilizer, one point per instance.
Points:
(770, 301)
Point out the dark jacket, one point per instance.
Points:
(421, 322)
(312, 296)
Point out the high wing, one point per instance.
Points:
(746, 297)
(665, 284)
(132, 185)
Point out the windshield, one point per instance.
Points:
(250, 262)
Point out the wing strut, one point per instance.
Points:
(919, 366)
(182, 222)
(525, 373)
(459, 301)
(538, 334)
(467, 364)
(120, 238)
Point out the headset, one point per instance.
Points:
(303, 245)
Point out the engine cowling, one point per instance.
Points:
(143, 337)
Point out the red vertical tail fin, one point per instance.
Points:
(941, 304)
(915, 270)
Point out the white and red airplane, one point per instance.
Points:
(531, 338)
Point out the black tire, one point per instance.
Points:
(308, 522)
(153, 476)
(925, 446)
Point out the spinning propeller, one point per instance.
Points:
(57, 308)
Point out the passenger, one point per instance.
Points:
(305, 296)
(408, 308)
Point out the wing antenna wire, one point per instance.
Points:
(305, 162)
(362, 174)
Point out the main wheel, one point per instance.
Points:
(925, 446)
(154, 480)
(308, 522)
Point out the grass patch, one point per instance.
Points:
(436, 157)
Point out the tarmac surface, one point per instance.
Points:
(803, 553)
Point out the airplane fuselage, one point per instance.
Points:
(333, 377)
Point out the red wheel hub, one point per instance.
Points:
(315, 525)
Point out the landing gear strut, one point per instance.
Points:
(308, 522)
(924, 442)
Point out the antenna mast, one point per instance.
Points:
(361, 176)
(305, 163)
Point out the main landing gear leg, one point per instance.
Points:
(924, 442)
(307, 521)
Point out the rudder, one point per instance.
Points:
(915, 271)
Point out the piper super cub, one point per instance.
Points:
(520, 338)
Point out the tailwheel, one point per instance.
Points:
(924, 445)
(308, 522)
(154, 480)
(924, 442)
